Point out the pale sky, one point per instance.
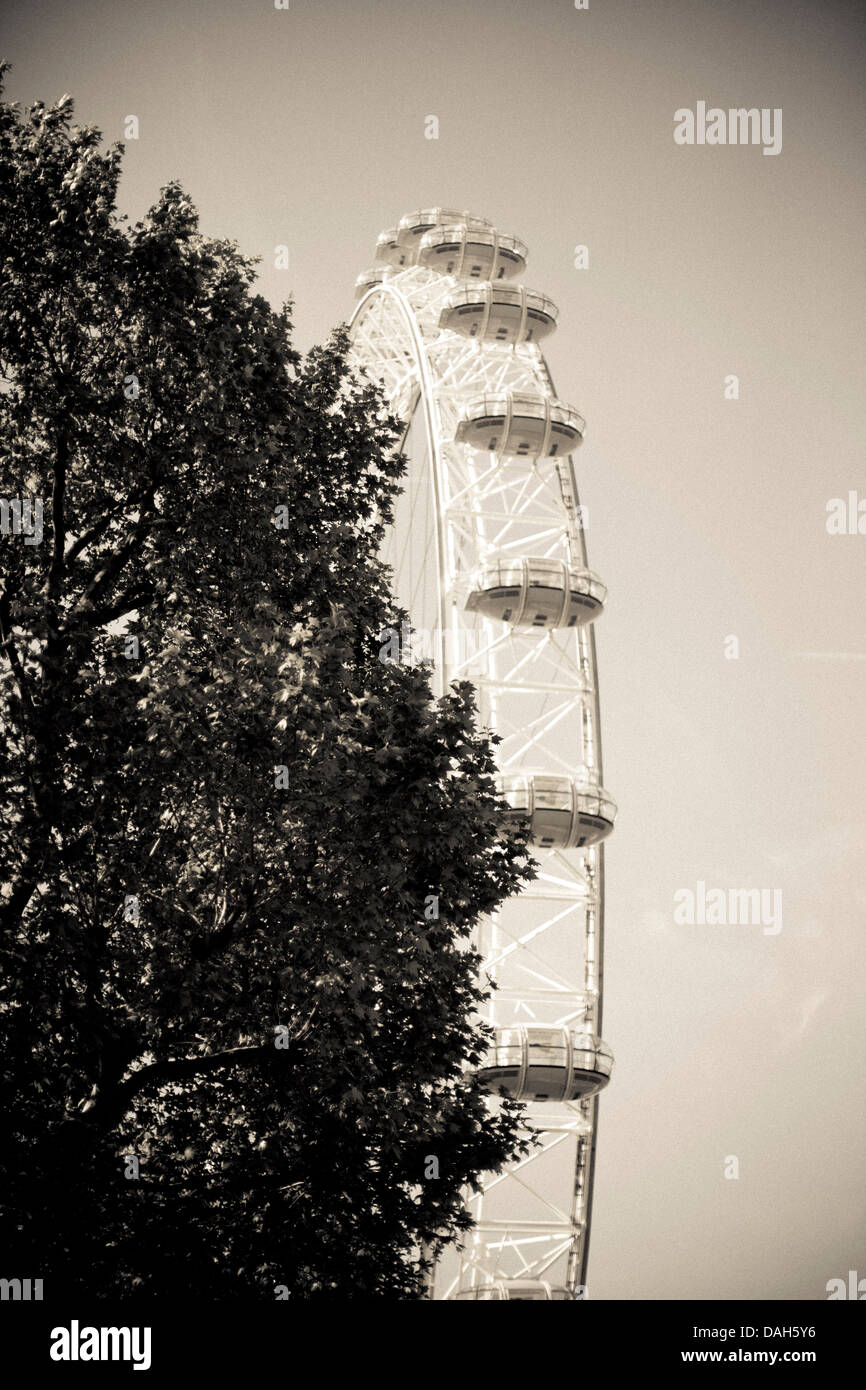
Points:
(707, 516)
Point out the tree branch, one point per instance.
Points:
(108, 1107)
(101, 581)
(58, 517)
(98, 529)
(7, 641)
(100, 617)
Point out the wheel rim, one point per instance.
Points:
(465, 507)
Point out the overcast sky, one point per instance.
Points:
(707, 516)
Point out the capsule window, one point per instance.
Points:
(540, 620)
(552, 800)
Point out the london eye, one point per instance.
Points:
(488, 553)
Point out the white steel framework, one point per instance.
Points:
(463, 508)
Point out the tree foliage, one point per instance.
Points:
(222, 970)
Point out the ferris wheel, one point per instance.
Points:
(489, 559)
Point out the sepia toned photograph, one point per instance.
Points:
(432, 671)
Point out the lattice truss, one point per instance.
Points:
(538, 692)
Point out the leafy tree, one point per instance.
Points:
(225, 824)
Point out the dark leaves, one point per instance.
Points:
(167, 908)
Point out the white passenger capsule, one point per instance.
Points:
(522, 425)
(389, 249)
(414, 225)
(536, 591)
(493, 312)
(517, 1290)
(401, 247)
(368, 278)
(472, 253)
(563, 812)
(536, 1063)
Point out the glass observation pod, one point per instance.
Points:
(399, 250)
(472, 253)
(413, 226)
(521, 425)
(523, 1290)
(368, 278)
(564, 812)
(536, 591)
(387, 248)
(535, 1063)
(493, 312)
